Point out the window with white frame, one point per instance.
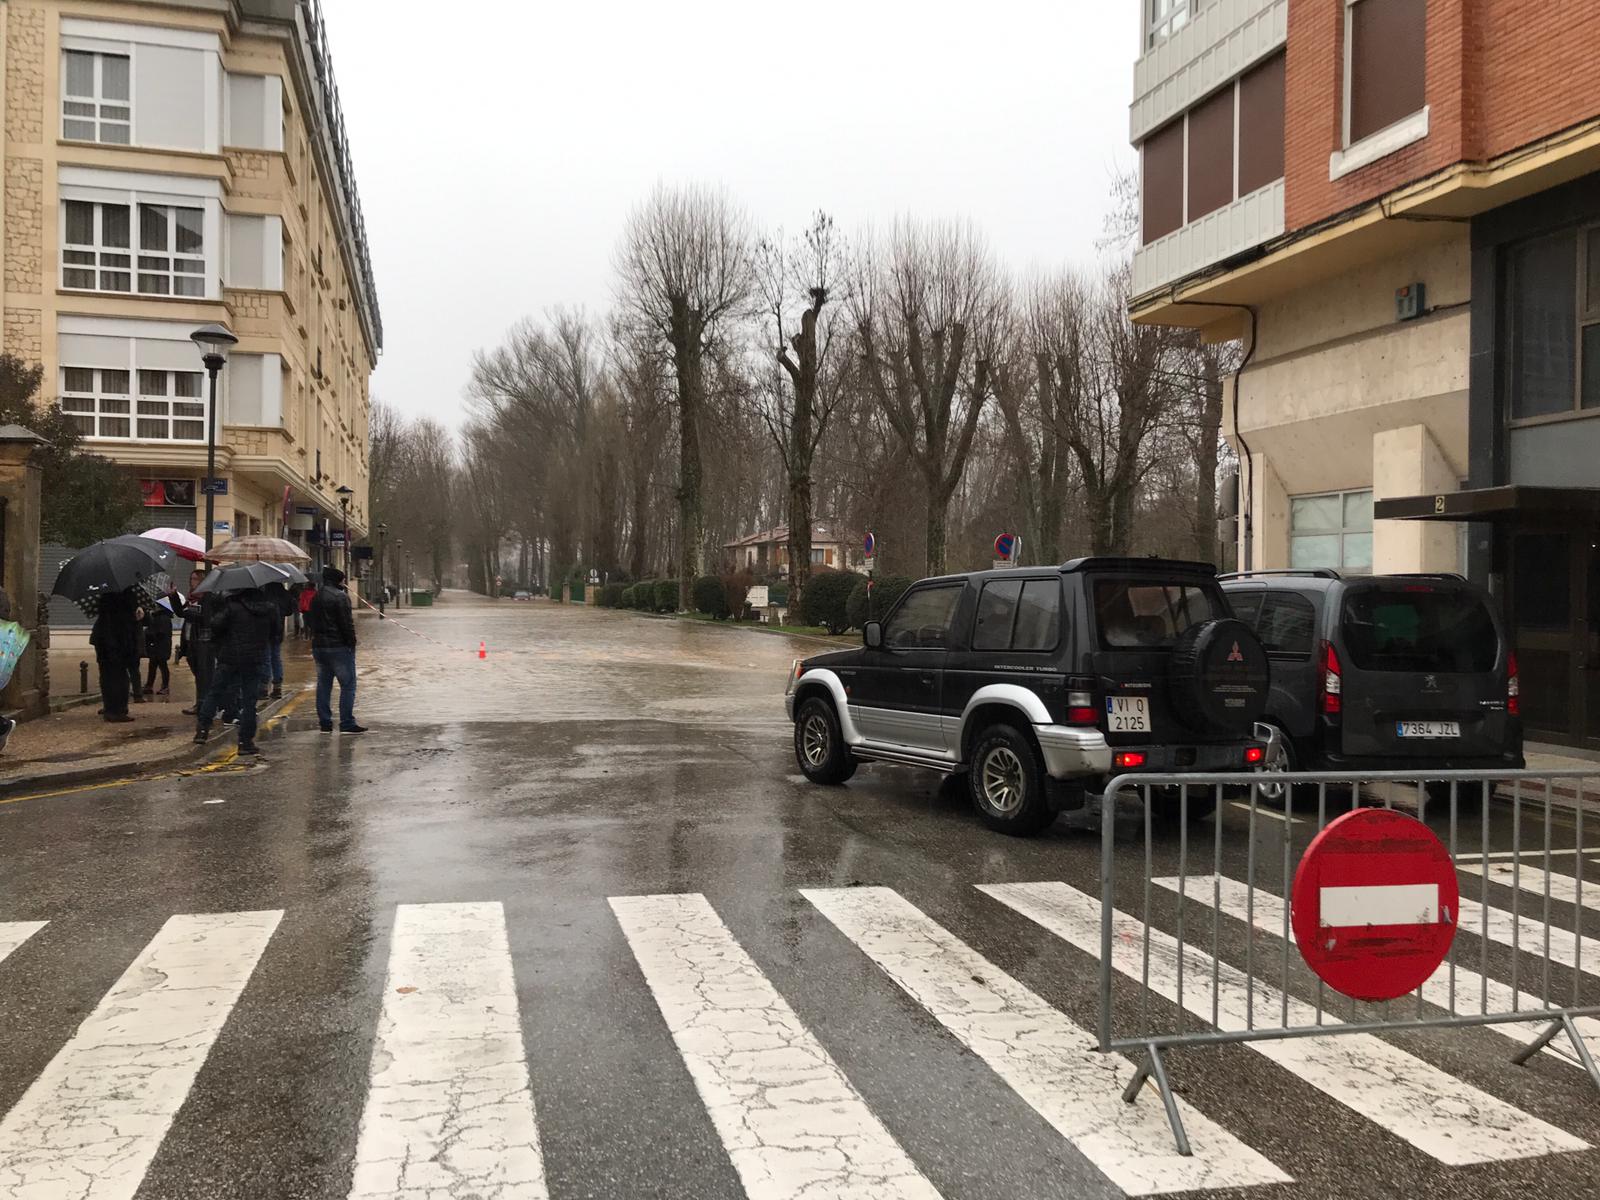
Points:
(95, 105)
(99, 241)
(168, 406)
(1331, 530)
(1163, 18)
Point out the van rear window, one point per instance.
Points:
(1131, 614)
(1416, 628)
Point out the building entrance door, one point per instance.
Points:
(1555, 602)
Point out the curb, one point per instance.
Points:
(184, 756)
(842, 643)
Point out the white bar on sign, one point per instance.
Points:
(1380, 904)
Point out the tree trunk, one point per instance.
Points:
(938, 507)
(798, 452)
(686, 331)
(799, 537)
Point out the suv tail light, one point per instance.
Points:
(1254, 755)
(1128, 759)
(1513, 686)
(1332, 681)
(1081, 709)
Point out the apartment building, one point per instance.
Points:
(172, 163)
(1395, 205)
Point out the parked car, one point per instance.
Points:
(522, 595)
(1040, 684)
(1382, 672)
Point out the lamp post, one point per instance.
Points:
(344, 492)
(399, 581)
(383, 578)
(214, 342)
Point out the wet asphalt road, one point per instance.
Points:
(594, 756)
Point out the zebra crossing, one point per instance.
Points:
(450, 1109)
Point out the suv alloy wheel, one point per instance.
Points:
(1007, 782)
(819, 743)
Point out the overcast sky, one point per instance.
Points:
(499, 144)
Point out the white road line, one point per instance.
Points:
(1504, 928)
(1470, 986)
(1051, 1062)
(1262, 810)
(92, 1121)
(1528, 854)
(1531, 878)
(793, 1125)
(449, 1111)
(14, 933)
(1434, 1111)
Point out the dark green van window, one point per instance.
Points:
(1015, 614)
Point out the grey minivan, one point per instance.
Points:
(1382, 672)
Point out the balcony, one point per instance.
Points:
(1248, 221)
(1224, 38)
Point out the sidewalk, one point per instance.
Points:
(74, 745)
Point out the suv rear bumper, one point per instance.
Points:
(1071, 753)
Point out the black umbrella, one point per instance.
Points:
(113, 566)
(241, 577)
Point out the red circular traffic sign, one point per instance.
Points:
(1375, 904)
(869, 543)
(1004, 545)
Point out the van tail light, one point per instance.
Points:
(1513, 686)
(1254, 755)
(1126, 760)
(1081, 709)
(1332, 681)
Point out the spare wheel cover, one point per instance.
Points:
(1219, 677)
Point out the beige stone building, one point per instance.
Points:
(170, 163)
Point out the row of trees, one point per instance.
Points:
(901, 380)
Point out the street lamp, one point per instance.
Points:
(383, 578)
(399, 584)
(344, 492)
(214, 342)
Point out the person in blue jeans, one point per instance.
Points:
(333, 646)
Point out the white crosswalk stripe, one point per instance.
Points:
(449, 1111)
(793, 1125)
(1429, 1108)
(14, 933)
(1526, 933)
(1050, 1061)
(1471, 988)
(1532, 879)
(92, 1121)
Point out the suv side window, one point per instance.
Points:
(1016, 614)
(923, 618)
(1288, 624)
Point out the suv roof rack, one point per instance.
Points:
(1429, 575)
(1307, 572)
(1128, 562)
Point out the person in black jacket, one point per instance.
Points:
(115, 638)
(333, 646)
(194, 640)
(158, 619)
(240, 632)
(284, 602)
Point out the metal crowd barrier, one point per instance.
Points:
(1282, 997)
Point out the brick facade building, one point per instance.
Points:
(1394, 203)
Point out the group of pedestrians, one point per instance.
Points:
(233, 643)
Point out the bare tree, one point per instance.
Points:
(684, 268)
(925, 313)
(796, 408)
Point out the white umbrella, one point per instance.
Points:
(190, 545)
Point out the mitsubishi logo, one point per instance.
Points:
(1235, 655)
(1430, 683)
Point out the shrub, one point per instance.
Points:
(825, 598)
(710, 597)
(885, 592)
(611, 595)
(666, 595)
(625, 596)
(736, 588)
(644, 595)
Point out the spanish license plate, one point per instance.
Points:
(1128, 714)
(1427, 729)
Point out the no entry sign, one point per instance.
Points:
(1375, 904)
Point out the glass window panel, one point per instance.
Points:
(1358, 510)
(192, 431)
(153, 408)
(923, 618)
(1592, 256)
(152, 429)
(1542, 305)
(110, 405)
(77, 404)
(84, 425)
(152, 227)
(196, 266)
(114, 427)
(116, 134)
(1038, 616)
(114, 112)
(114, 76)
(1315, 514)
(187, 383)
(107, 259)
(77, 279)
(1357, 551)
(155, 285)
(78, 379)
(78, 108)
(1591, 366)
(189, 222)
(1306, 553)
(997, 608)
(1287, 624)
(115, 281)
(153, 383)
(188, 410)
(80, 73)
(83, 131)
(1132, 614)
(78, 258)
(114, 225)
(188, 285)
(80, 223)
(115, 382)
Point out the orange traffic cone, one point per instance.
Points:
(483, 651)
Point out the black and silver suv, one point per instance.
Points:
(1040, 683)
(1382, 672)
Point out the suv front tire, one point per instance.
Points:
(1006, 782)
(819, 744)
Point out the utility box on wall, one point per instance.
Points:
(1410, 301)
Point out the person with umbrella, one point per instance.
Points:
(115, 638)
(194, 641)
(158, 639)
(241, 630)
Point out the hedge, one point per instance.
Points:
(710, 597)
(885, 592)
(611, 595)
(826, 595)
(666, 595)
